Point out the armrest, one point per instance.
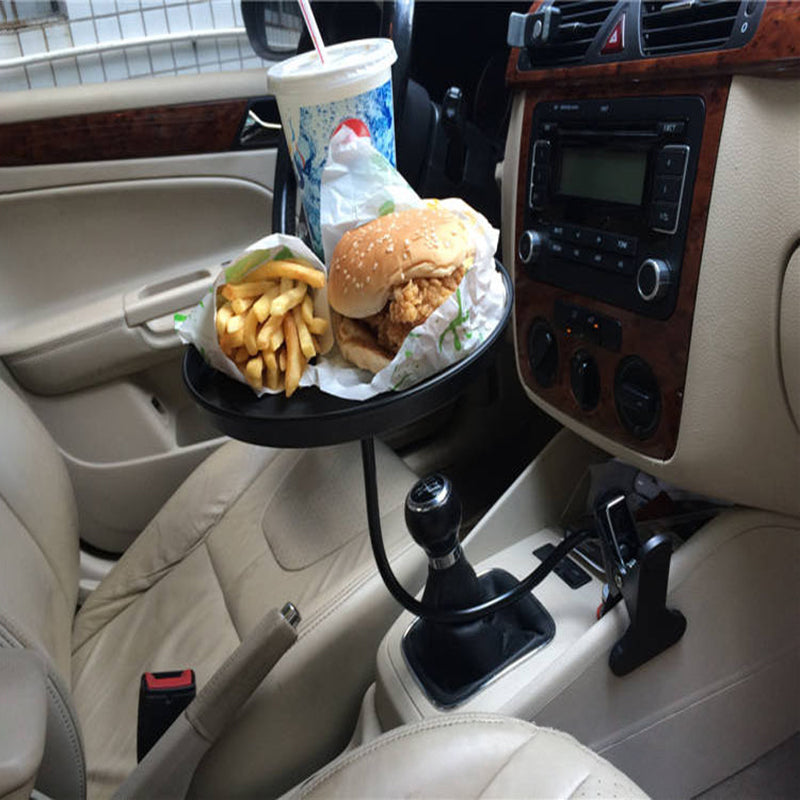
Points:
(23, 723)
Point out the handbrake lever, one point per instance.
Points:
(639, 574)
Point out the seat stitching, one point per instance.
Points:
(222, 591)
(402, 733)
(508, 760)
(287, 473)
(69, 724)
(579, 784)
(213, 523)
(344, 594)
(167, 567)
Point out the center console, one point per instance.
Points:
(612, 199)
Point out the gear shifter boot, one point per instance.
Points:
(452, 662)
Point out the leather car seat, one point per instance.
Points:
(469, 756)
(250, 529)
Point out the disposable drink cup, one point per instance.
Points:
(353, 87)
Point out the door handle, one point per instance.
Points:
(166, 297)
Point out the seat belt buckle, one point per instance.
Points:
(162, 697)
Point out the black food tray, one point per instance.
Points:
(312, 418)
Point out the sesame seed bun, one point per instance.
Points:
(369, 261)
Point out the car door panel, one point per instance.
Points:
(112, 241)
(103, 240)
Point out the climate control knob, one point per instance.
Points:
(542, 353)
(584, 377)
(653, 279)
(530, 247)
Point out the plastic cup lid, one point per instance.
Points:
(346, 62)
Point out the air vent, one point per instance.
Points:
(687, 26)
(578, 24)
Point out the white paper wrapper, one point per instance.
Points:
(199, 328)
(358, 185)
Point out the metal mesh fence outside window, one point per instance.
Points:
(52, 43)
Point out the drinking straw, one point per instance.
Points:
(313, 29)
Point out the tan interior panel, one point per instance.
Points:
(128, 444)
(249, 165)
(790, 334)
(110, 239)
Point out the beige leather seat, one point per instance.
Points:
(250, 529)
(469, 756)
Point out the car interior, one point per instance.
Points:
(576, 576)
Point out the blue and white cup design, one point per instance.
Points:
(354, 88)
(368, 114)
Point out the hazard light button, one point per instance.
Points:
(615, 43)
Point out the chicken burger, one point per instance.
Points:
(388, 276)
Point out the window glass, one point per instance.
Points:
(49, 43)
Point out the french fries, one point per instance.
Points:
(266, 324)
(288, 269)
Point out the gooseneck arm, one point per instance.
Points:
(440, 615)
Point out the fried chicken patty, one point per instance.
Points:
(410, 305)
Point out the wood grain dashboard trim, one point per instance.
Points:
(775, 48)
(664, 344)
(170, 130)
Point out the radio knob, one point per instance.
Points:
(530, 247)
(653, 279)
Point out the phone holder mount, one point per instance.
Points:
(637, 573)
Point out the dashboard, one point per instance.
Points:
(619, 135)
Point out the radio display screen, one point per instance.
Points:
(614, 176)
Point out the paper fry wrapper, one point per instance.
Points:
(198, 327)
(358, 185)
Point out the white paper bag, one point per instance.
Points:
(358, 185)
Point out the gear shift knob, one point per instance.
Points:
(433, 517)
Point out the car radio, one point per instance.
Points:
(608, 196)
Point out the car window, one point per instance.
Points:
(52, 43)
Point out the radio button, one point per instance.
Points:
(555, 248)
(597, 239)
(667, 189)
(576, 234)
(673, 128)
(664, 217)
(558, 230)
(600, 260)
(626, 266)
(624, 245)
(671, 160)
(576, 253)
(591, 331)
